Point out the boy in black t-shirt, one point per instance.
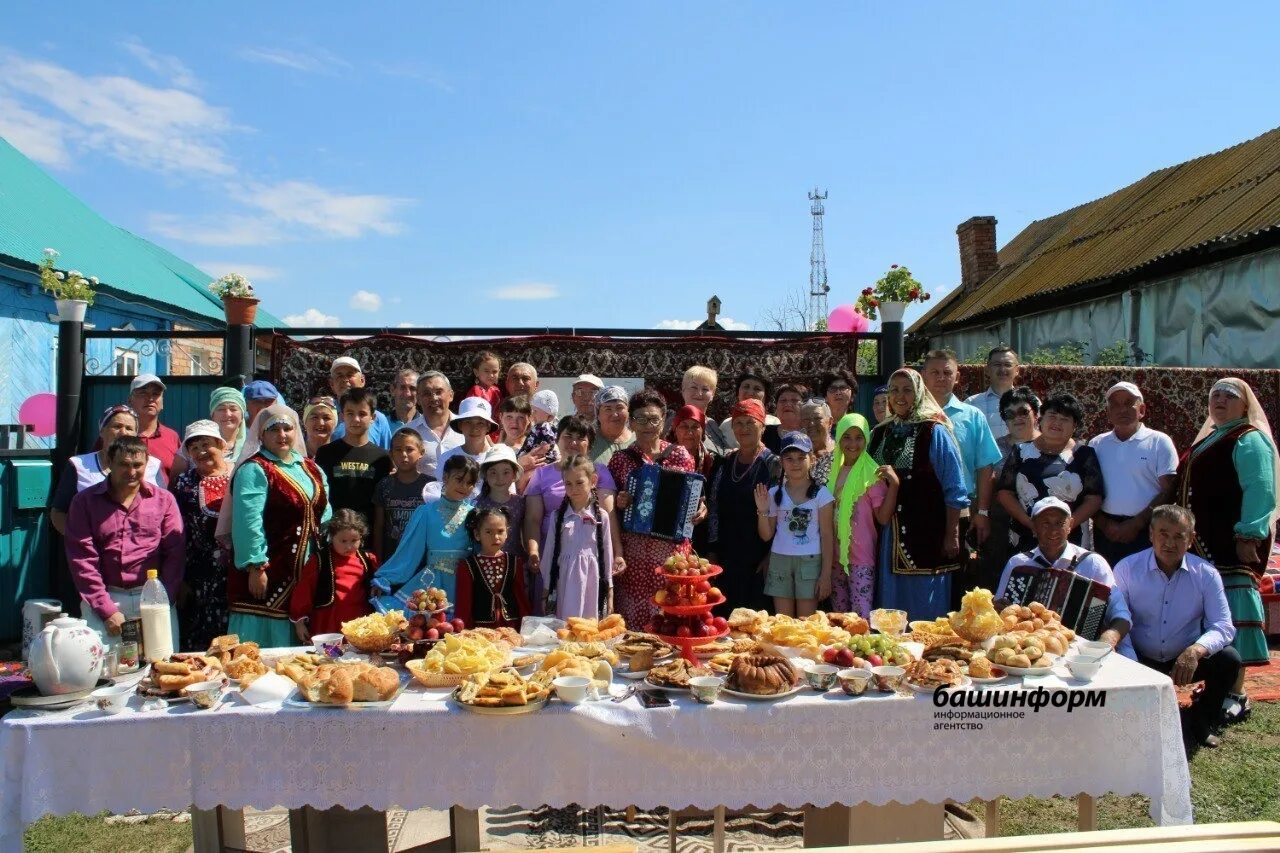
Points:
(353, 463)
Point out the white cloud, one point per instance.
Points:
(253, 272)
(729, 323)
(310, 61)
(170, 68)
(405, 325)
(364, 300)
(525, 291)
(313, 318)
(330, 213)
(414, 71)
(164, 130)
(41, 138)
(216, 231)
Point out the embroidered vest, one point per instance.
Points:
(327, 577)
(290, 523)
(489, 606)
(1208, 486)
(917, 528)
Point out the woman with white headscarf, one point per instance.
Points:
(279, 502)
(1228, 479)
(920, 546)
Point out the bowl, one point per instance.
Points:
(888, 621)
(206, 694)
(112, 699)
(319, 641)
(821, 676)
(854, 681)
(571, 688)
(1083, 668)
(706, 688)
(887, 678)
(1093, 649)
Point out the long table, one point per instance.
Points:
(828, 751)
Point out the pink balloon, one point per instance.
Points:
(41, 411)
(845, 318)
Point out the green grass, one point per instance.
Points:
(1235, 782)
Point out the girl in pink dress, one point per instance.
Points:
(577, 555)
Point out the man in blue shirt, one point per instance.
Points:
(978, 452)
(344, 374)
(1181, 624)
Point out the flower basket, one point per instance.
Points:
(240, 310)
(890, 295)
(71, 310)
(891, 312)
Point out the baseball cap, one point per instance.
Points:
(260, 389)
(344, 361)
(796, 441)
(142, 380)
(202, 429)
(1123, 386)
(474, 407)
(591, 379)
(1049, 503)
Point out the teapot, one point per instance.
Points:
(66, 657)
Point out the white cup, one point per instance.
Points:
(1092, 649)
(112, 699)
(1083, 668)
(571, 689)
(319, 641)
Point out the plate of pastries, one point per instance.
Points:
(238, 660)
(352, 685)
(502, 692)
(585, 630)
(169, 678)
(762, 676)
(675, 675)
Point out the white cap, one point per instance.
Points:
(1049, 503)
(546, 401)
(500, 453)
(591, 379)
(142, 380)
(200, 429)
(1123, 386)
(344, 361)
(474, 407)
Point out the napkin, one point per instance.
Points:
(267, 688)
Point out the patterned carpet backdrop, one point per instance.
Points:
(301, 368)
(1177, 397)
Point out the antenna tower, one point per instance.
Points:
(818, 287)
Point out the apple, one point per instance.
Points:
(432, 634)
(708, 619)
(875, 660)
(720, 622)
(702, 586)
(844, 657)
(707, 630)
(445, 628)
(416, 632)
(714, 592)
(683, 631)
(459, 625)
(860, 663)
(830, 654)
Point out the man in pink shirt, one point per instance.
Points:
(117, 530)
(146, 396)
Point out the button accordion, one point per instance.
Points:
(1080, 601)
(663, 502)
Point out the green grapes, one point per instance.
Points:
(868, 644)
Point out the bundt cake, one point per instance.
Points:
(761, 674)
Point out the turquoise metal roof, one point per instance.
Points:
(36, 211)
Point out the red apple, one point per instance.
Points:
(445, 627)
(720, 622)
(844, 657)
(702, 586)
(683, 631)
(432, 634)
(875, 660)
(829, 655)
(459, 625)
(707, 618)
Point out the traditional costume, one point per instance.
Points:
(491, 591)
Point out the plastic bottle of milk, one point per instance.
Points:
(157, 629)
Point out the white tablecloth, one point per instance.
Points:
(812, 748)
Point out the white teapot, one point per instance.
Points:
(66, 657)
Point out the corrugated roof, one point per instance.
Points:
(1219, 198)
(36, 211)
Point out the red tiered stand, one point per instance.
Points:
(687, 644)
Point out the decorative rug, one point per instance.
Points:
(1262, 683)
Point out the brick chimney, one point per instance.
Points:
(977, 238)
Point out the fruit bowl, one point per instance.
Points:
(691, 609)
(671, 577)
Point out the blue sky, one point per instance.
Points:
(609, 164)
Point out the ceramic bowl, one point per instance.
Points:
(1092, 649)
(1083, 668)
(571, 688)
(706, 688)
(112, 699)
(854, 681)
(319, 641)
(206, 694)
(821, 676)
(887, 678)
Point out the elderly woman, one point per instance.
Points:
(838, 388)
(201, 490)
(751, 386)
(319, 419)
(545, 493)
(880, 404)
(1228, 479)
(226, 409)
(89, 469)
(920, 545)
(279, 503)
(786, 407)
(1056, 465)
(613, 432)
(815, 417)
(698, 389)
(634, 589)
(732, 533)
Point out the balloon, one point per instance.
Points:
(41, 411)
(845, 318)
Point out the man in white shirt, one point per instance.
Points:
(1051, 522)
(1002, 375)
(435, 393)
(1139, 465)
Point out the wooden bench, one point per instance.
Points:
(1245, 837)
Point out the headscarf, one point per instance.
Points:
(1257, 418)
(751, 408)
(862, 476)
(690, 413)
(320, 403)
(117, 409)
(926, 408)
(222, 395)
(610, 394)
(273, 414)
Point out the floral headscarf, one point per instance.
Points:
(1256, 417)
(276, 413)
(926, 408)
(861, 477)
(231, 395)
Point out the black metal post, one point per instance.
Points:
(69, 405)
(891, 348)
(237, 355)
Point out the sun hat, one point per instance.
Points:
(202, 429)
(474, 407)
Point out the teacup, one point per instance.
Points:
(112, 699)
(888, 678)
(821, 676)
(1094, 650)
(706, 688)
(854, 681)
(319, 641)
(1083, 668)
(571, 688)
(205, 694)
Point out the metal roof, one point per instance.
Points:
(1219, 198)
(37, 212)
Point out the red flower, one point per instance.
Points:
(874, 303)
(893, 266)
(867, 291)
(925, 298)
(913, 293)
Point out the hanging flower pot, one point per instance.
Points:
(240, 310)
(71, 309)
(72, 291)
(891, 312)
(891, 295)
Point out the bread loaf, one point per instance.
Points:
(762, 674)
